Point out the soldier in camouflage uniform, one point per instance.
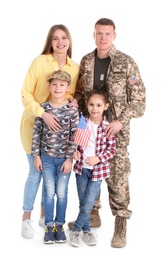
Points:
(108, 68)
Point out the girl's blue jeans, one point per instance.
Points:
(88, 192)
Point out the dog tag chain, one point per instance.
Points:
(102, 73)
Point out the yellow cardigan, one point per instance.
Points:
(35, 91)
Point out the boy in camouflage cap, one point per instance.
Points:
(61, 75)
(53, 154)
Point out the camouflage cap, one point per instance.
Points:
(62, 75)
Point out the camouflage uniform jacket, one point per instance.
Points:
(127, 94)
(56, 144)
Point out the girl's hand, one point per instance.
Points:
(92, 160)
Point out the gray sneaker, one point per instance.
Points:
(74, 238)
(90, 238)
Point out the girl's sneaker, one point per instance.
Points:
(89, 238)
(74, 238)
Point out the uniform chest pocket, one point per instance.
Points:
(117, 83)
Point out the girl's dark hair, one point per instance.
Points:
(104, 96)
(48, 44)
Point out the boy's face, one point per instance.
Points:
(58, 87)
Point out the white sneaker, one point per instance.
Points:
(90, 238)
(27, 230)
(41, 222)
(74, 238)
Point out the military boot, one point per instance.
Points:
(95, 220)
(119, 237)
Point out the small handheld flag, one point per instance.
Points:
(83, 132)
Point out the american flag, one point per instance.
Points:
(133, 80)
(83, 132)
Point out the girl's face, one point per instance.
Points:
(60, 42)
(96, 106)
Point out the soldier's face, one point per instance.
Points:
(104, 36)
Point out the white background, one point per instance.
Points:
(139, 25)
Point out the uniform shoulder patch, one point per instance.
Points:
(133, 80)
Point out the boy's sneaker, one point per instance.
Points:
(49, 237)
(59, 234)
(74, 238)
(27, 230)
(42, 222)
(89, 238)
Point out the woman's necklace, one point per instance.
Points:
(102, 72)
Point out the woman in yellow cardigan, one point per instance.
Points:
(56, 54)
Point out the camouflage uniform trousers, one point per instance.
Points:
(118, 185)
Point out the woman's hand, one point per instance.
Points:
(51, 121)
(73, 102)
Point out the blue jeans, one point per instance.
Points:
(54, 183)
(88, 192)
(31, 185)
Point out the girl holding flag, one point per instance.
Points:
(92, 158)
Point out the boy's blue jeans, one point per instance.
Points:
(54, 183)
(88, 192)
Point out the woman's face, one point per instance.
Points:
(60, 42)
